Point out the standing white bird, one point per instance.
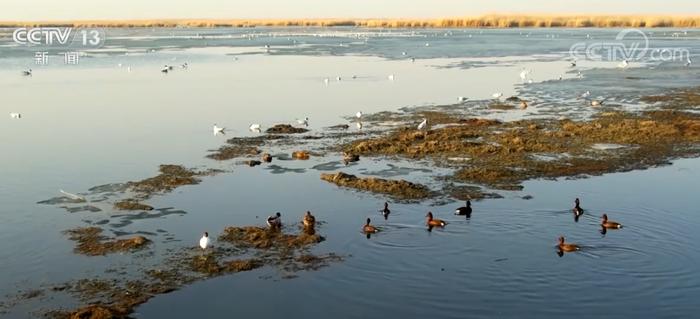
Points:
(390, 77)
(255, 127)
(72, 196)
(275, 221)
(497, 95)
(204, 241)
(218, 130)
(688, 63)
(15, 115)
(326, 81)
(461, 99)
(128, 69)
(304, 122)
(624, 64)
(358, 114)
(423, 124)
(585, 94)
(524, 74)
(359, 125)
(27, 72)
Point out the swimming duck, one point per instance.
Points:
(609, 224)
(578, 211)
(369, 229)
(434, 222)
(385, 211)
(309, 220)
(300, 155)
(204, 241)
(275, 221)
(567, 247)
(465, 210)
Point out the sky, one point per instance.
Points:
(150, 9)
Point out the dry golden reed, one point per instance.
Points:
(488, 21)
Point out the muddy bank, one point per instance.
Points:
(240, 249)
(266, 238)
(91, 242)
(170, 177)
(398, 189)
(502, 155)
(285, 129)
(131, 204)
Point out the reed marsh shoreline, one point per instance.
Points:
(487, 21)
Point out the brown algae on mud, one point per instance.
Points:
(501, 154)
(399, 189)
(91, 242)
(285, 129)
(267, 238)
(131, 204)
(170, 177)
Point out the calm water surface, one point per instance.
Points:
(96, 124)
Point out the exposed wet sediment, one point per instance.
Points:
(502, 155)
(490, 153)
(398, 189)
(91, 242)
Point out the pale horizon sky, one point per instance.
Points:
(27, 10)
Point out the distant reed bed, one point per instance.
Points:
(488, 21)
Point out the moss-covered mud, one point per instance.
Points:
(169, 178)
(502, 155)
(91, 242)
(498, 155)
(131, 204)
(267, 238)
(398, 189)
(239, 249)
(285, 129)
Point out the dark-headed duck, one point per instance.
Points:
(309, 220)
(609, 223)
(466, 210)
(578, 211)
(567, 247)
(434, 222)
(369, 229)
(385, 211)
